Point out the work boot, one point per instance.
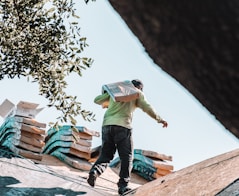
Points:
(123, 190)
(92, 178)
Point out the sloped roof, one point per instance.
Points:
(207, 178)
(48, 175)
(51, 176)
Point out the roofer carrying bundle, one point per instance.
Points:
(117, 130)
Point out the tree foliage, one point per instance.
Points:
(41, 40)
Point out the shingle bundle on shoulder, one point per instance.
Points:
(148, 164)
(20, 132)
(72, 145)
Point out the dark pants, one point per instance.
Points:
(120, 139)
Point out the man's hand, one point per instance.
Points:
(165, 124)
(160, 120)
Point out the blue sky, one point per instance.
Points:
(193, 134)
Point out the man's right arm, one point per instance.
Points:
(100, 99)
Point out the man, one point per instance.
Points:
(117, 135)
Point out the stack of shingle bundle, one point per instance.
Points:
(151, 165)
(72, 145)
(20, 132)
(148, 164)
(23, 136)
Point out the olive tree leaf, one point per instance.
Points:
(41, 40)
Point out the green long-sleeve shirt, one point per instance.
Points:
(121, 113)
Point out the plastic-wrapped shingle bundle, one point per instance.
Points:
(122, 91)
(144, 170)
(20, 132)
(72, 145)
(23, 136)
(148, 164)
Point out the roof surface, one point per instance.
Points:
(215, 176)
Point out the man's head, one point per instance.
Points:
(138, 84)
